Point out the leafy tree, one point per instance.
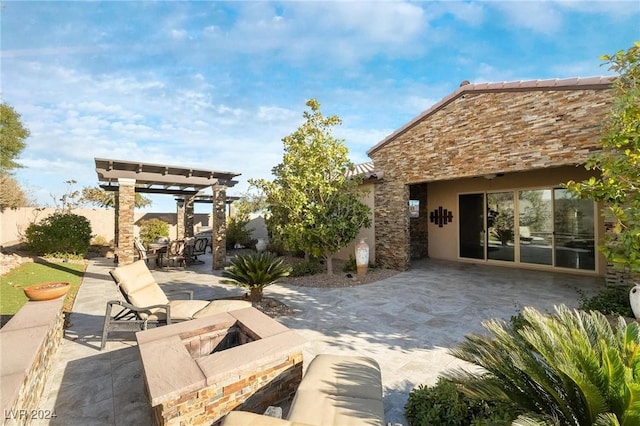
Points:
(102, 198)
(151, 229)
(314, 206)
(569, 369)
(255, 271)
(11, 194)
(237, 231)
(12, 138)
(12, 143)
(619, 163)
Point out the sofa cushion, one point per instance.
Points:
(339, 390)
(355, 376)
(319, 408)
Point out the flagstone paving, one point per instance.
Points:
(406, 322)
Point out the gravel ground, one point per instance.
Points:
(274, 308)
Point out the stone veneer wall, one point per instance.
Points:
(252, 391)
(126, 204)
(418, 226)
(219, 227)
(479, 133)
(28, 343)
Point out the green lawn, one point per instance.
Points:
(11, 284)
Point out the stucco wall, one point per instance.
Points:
(477, 134)
(367, 233)
(15, 222)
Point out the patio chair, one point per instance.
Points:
(175, 254)
(197, 247)
(146, 305)
(142, 252)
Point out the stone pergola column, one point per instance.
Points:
(188, 217)
(180, 222)
(219, 227)
(125, 220)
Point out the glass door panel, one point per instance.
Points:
(535, 213)
(574, 231)
(500, 226)
(471, 225)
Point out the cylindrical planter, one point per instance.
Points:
(46, 291)
(362, 257)
(634, 300)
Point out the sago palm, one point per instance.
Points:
(255, 271)
(570, 368)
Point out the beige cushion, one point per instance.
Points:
(319, 408)
(181, 310)
(219, 306)
(138, 283)
(355, 376)
(244, 418)
(339, 390)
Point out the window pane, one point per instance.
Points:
(500, 226)
(574, 231)
(535, 226)
(471, 226)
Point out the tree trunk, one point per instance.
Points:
(328, 259)
(256, 294)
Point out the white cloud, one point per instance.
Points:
(539, 16)
(178, 35)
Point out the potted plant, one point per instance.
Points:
(255, 271)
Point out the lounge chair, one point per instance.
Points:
(146, 304)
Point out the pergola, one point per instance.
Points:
(185, 184)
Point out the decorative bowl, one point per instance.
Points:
(46, 291)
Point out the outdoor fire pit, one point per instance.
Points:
(197, 371)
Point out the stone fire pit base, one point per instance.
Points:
(198, 371)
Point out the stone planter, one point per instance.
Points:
(46, 291)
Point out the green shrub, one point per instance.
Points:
(567, 369)
(302, 269)
(61, 233)
(610, 301)
(151, 229)
(237, 231)
(444, 404)
(350, 265)
(255, 271)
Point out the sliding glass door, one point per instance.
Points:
(471, 228)
(550, 228)
(535, 226)
(574, 231)
(500, 226)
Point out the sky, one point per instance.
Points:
(216, 85)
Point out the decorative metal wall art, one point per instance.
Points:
(441, 216)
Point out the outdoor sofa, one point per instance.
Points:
(335, 390)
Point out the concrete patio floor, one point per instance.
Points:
(406, 322)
